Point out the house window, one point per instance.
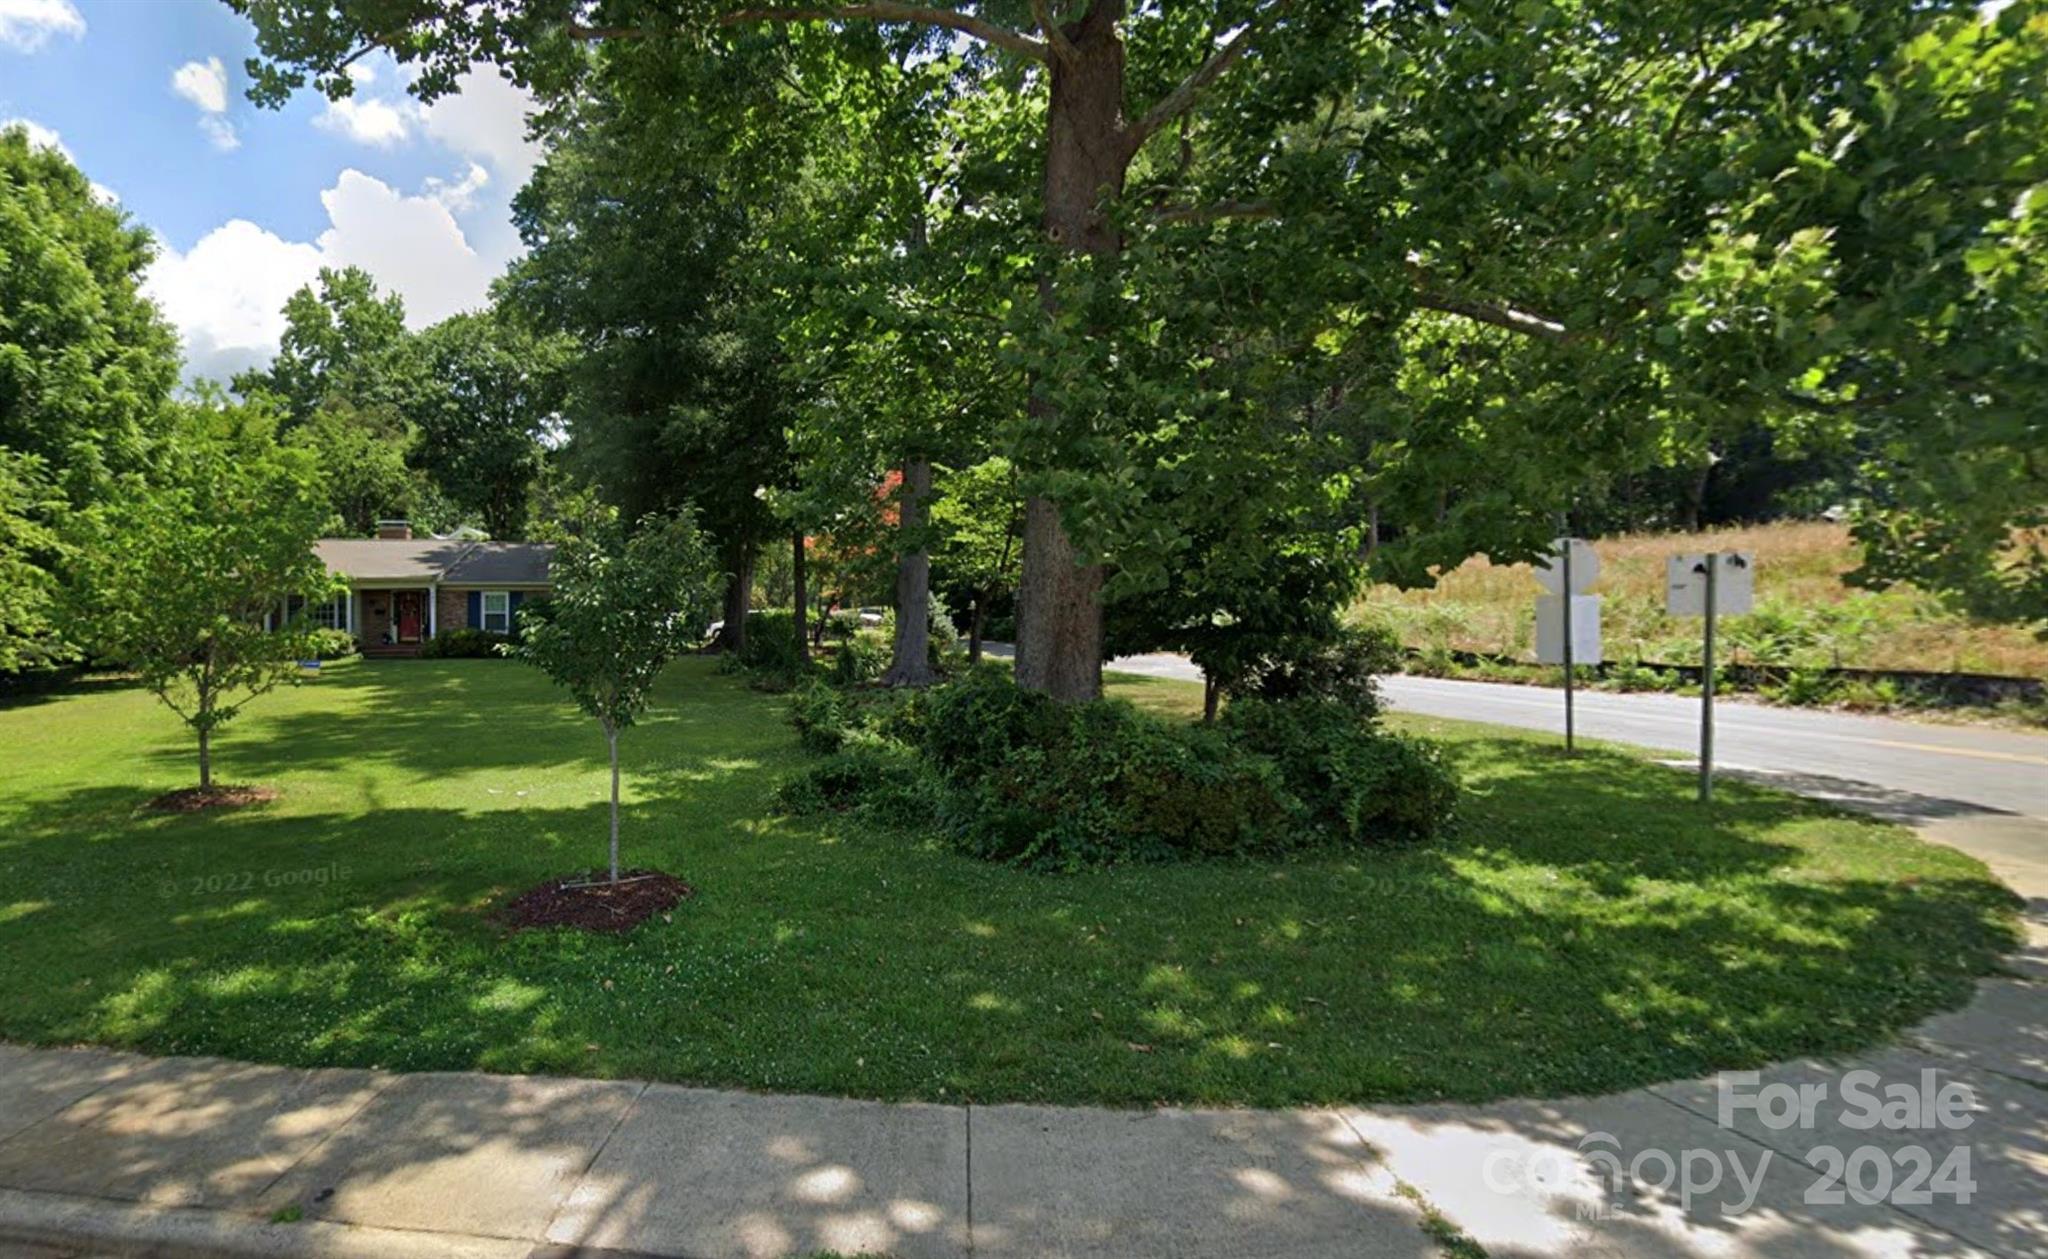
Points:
(497, 611)
(333, 614)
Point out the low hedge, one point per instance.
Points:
(465, 644)
(1012, 776)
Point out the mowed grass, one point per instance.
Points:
(1586, 929)
(1485, 607)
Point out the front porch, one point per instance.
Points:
(394, 620)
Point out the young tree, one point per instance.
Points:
(177, 579)
(624, 605)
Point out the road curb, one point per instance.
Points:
(102, 1227)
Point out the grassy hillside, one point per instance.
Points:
(1805, 615)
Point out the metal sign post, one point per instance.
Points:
(1707, 688)
(1571, 635)
(1566, 604)
(1707, 586)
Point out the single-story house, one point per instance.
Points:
(404, 590)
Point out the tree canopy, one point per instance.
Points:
(1459, 266)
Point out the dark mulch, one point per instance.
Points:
(590, 902)
(218, 796)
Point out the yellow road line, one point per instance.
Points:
(2019, 757)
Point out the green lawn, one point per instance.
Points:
(1586, 929)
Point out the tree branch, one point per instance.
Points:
(887, 11)
(1499, 314)
(1182, 98)
(1049, 26)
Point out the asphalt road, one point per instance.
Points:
(1978, 766)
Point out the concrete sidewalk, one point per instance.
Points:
(105, 1153)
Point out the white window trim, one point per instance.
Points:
(504, 610)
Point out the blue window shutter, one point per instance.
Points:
(476, 609)
(512, 611)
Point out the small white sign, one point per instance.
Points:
(1585, 616)
(1685, 584)
(1585, 566)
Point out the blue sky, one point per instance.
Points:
(148, 98)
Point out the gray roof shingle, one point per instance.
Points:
(434, 559)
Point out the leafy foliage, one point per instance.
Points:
(86, 362)
(175, 578)
(28, 546)
(1013, 776)
(468, 643)
(1355, 783)
(624, 604)
(340, 336)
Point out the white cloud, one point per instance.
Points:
(26, 25)
(226, 294)
(204, 83)
(459, 196)
(486, 118)
(221, 133)
(379, 124)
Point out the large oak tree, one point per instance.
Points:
(1659, 219)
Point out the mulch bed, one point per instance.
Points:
(218, 796)
(590, 902)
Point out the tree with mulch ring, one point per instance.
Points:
(203, 581)
(595, 902)
(217, 796)
(625, 604)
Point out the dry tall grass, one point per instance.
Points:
(1805, 614)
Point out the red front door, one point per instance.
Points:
(408, 615)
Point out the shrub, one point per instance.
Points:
(1806, 688)
(1354, 782)
(464, 644)
(883, 780)
(333, 644)
(861, 658)
(1115, 785)
(771, 643)
(1012, 776)
(822, 715)
(1341, 668)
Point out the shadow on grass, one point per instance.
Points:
(1586, 928)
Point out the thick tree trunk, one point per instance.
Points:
(1059, 612)
(912, 665)
(976, 618)
(800, 597)
(1208, 699)
(611, 736)
(739, 592)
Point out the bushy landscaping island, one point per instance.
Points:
(1582, 927)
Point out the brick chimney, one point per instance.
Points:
(400, 530)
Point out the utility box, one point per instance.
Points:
(1585, 614)
(1685, 584)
